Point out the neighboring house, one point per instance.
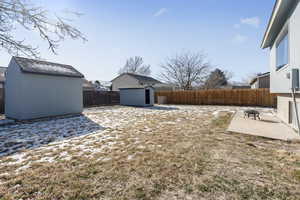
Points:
(37, 89)
(261, 81)
(130, 80)
(282, 37)
(237, 85)
(2, 76)
(137, 96)
(165, 87)
(87, 86)
(102, 85)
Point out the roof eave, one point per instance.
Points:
(118, 77)
(276, 7)
(280, 14)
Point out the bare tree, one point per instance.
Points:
(136, 65)
(16, 13)
(186, 70)
(248, 78)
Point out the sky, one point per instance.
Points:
(228, 32)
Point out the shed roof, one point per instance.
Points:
(46, 68)
(2, 74)
(141, 78)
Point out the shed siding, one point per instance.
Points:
(135, 97)
(132, 97)
(31, 96)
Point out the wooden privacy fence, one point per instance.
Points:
(98, 98)
(237, 97)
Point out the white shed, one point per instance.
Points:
(137, 96)
(37, 89)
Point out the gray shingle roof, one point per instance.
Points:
(2, 74)
(47, 68)
(141, 78)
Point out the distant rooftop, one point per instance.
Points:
(47, 68)
(141, 78)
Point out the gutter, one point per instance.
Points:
(271, 21)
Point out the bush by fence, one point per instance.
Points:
(98, 98)
(237, 97)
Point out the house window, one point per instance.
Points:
(282, 52)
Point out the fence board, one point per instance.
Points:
(237, 97)
(98, 98)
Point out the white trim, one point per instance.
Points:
(271, 22)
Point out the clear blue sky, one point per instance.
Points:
(228, 31)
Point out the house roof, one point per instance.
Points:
(280, 14)
(135, 87)
(46, 68)
(259, 76)
(141, 78)
(2, 74)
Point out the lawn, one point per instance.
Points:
(167, 152)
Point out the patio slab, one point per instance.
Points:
(269, 126)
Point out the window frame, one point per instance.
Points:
(284, 34)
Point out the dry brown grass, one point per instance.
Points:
(189, 159)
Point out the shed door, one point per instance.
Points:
(147, 96)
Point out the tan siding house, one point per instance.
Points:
(129, 80)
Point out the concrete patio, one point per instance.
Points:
(269, 126)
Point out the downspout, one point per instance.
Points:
(296, 109)
(295, 87)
